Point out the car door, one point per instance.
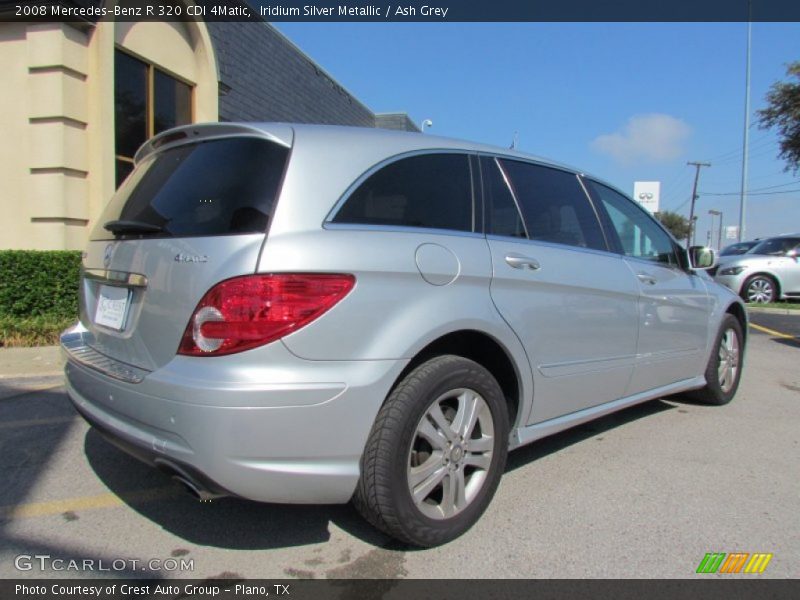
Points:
(788, 270)
(572, 303)
(674, 305)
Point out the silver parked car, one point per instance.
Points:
(767, 272)
(314, 314)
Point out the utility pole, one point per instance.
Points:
(697, 166)
(745, 143)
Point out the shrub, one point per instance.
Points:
(39, 284)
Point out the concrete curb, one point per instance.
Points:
(774, 311)
(26, 363)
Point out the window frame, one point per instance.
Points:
(477, 218)
(150, 91)
(483, 159)
(682, 263)
(496, 157)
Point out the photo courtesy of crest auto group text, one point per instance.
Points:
(473, 297)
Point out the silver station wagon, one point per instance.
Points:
(315, 314)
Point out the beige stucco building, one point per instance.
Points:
(78, 98)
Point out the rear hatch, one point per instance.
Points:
(194, 212)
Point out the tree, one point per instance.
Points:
(677, 224)
(783, 113)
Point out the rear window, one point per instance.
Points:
(217, 187)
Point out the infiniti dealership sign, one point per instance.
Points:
(648, 194)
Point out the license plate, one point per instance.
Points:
(112, 307)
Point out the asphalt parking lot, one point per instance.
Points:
(786, 326)
(643, 493)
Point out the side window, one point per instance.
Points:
(502, 214)
(432, 191)
(554, 205)
(639, 235)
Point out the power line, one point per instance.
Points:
(769, 187)
(738, 152)
(750, 193)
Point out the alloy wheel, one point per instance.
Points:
(451, 453)
(729, 354)
(760, 290)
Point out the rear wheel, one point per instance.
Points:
(760, 289)
(435, 454)
(724, 368)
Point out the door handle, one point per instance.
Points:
(518, 261)
(646, 278)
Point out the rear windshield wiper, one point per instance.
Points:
(122, 226)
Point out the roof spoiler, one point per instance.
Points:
(279, 133)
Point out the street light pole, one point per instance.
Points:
(697, 166)
(710, 235)
(716, 213)
(745, 143)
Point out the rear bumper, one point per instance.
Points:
(269, 427)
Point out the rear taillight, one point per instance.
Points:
(245, 312)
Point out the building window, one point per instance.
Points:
(146, 102)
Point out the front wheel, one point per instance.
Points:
(724, 368)
(435, 454)
(760, 289)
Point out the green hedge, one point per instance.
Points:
(39, 284)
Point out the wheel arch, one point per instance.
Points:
(485, 350)
(738, 310)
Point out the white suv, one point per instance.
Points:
(767, 272)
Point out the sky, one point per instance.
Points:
(623, 101)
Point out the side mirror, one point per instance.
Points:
(701, 257)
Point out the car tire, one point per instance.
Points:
(724, 368)
(761, 289)
(435, 454)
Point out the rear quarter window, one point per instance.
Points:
(216, 187)
(429, 191)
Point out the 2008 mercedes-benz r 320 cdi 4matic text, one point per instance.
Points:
(315, 314)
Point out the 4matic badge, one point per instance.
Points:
(190, 258)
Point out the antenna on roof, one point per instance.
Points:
(513, 145)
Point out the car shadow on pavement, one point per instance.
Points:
(554, 443)
(230, 523)
(791, 342)
(243, 525)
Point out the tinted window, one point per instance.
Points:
(775, 246)
(554, 205)
(639, 235)
(740, 248)
(433, 191)
(172, 102)
(209, 188)
(146, 102)
(502, 215)
(130, 103)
